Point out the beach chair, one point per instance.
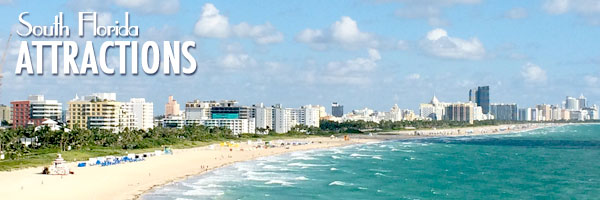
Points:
(81, 164)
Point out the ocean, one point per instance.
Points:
(549, 163)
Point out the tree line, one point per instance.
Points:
(77, 138)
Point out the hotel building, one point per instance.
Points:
(505, 112)
(481, 97)
(434, 110)
(141, 111)
(101, 111)
(337, 110)
(461, 112)
(172, 107)
(34, 111)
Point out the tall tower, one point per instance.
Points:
(582, 102)
(337, 110)
(172, 107)
(481, 97)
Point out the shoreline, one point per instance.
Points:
(132, 180)
(363, 141)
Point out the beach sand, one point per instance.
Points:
(130, 180)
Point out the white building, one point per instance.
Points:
(309, 115)
(237, 126)
(142, 111)
(200, 110)
(44, 109)
(284, 119)
(582, 102)
(434, 110)
(395, 114)
(525, 114)
(263, 116)
(571, 103)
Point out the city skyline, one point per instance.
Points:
(182, 103)
(397, 54)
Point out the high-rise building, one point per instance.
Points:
(226, 114)
(460, 112)
(5, 115)
(535, 114)
(309, 115)
(34, 111)
(578, 115)
(230, 112)
(565, 114)
(582, 102)
(199, 110)
(571, 103)
(172, 107)
(99, 110)
(337, 110)
(434, 110)
(284, 119)
(263, 116)
(143, 112)
(481, 97)
(556, 113)
(322, 112)
(545, 112)
(21, 113)
(504, 112)
(525, 114)
(395, 114)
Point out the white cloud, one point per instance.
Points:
(236, 61)
(211, 23)
(431, 10)
(344, 32)
(413, 77)
(315, 38)
(214, 25)
(355, 65)
(516, 13)
(438, 43)
(351, 71)
(533, 73)
(589, 9)
(262, 34)
(556, 6)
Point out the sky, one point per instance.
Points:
(360, 53)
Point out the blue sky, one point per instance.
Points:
(363, 53)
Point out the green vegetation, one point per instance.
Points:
(81, 144)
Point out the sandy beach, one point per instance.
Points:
(130, 180)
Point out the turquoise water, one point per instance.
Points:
(551, 163)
